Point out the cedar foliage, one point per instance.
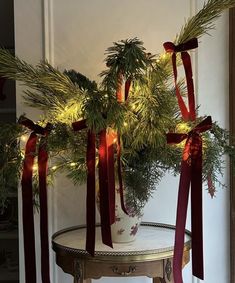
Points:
(143, 120)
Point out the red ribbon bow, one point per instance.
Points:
(106, 184)
(191, 173)
(27, 200)
(183, 48)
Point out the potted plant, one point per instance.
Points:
(129, 113)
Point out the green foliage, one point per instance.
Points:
(10, 162)
(150, 111)
(203, 21)
(126, 59)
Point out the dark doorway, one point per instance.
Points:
(9, 245)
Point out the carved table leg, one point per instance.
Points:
(158, 280)
(168, 271)
(78, 272)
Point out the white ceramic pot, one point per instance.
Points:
(125, 228)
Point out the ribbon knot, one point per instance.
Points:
(187, 114)
(37, 129)
(191, 174)
(188, 45)
(27, 201)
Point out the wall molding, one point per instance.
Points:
(48, 55)
(232, 130)
(48, 30)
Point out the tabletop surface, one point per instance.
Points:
(152, 238)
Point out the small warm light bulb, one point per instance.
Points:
(125, 124)
(35, 167)
(24, 138)
(164, 56)
(72, 164)
(183, 128)
(114, 140)
(54, 167)
(133, 107)
(158, 60)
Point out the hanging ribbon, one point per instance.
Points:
(104, 190)
(119, 94)
(90, 198)
(106, 184)
(191, 174)
(119, 165)
(183, 48)
(27, 201)
(111, 140)
(127, 88)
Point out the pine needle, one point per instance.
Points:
(204, 20)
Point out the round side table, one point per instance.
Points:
(149, 255)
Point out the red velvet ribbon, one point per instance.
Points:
(90, 198)
(120, 175)
(104, 190)
(27, 200)
(187, 114)
(111, 139)
(127, 88)
(106, 185)
(191, 173)
(119, 94)
(2, 82)
(27, 210)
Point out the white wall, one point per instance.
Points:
(77, 33)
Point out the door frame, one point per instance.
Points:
(232, 130)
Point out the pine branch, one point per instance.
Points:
(126, 58)
(43, 78)
(203, 21)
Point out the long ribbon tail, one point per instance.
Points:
(127, 88)
(119, 169)
(119, 94)
(111, 176)
(181, 103)
(189, 79)
(190, 112)
(196, 214)
(28, 214)
(104, 192)
(90, 200)
(42, 171)
(182, 206)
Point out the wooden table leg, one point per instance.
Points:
(78, 272)
(158, 280)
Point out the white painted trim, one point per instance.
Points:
(193, 11)
(48, 55)
(48, 30)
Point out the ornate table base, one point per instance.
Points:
(132, 259)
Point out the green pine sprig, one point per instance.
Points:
(204, 21)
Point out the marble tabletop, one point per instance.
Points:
(152, 238)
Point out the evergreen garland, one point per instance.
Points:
(143, 121)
